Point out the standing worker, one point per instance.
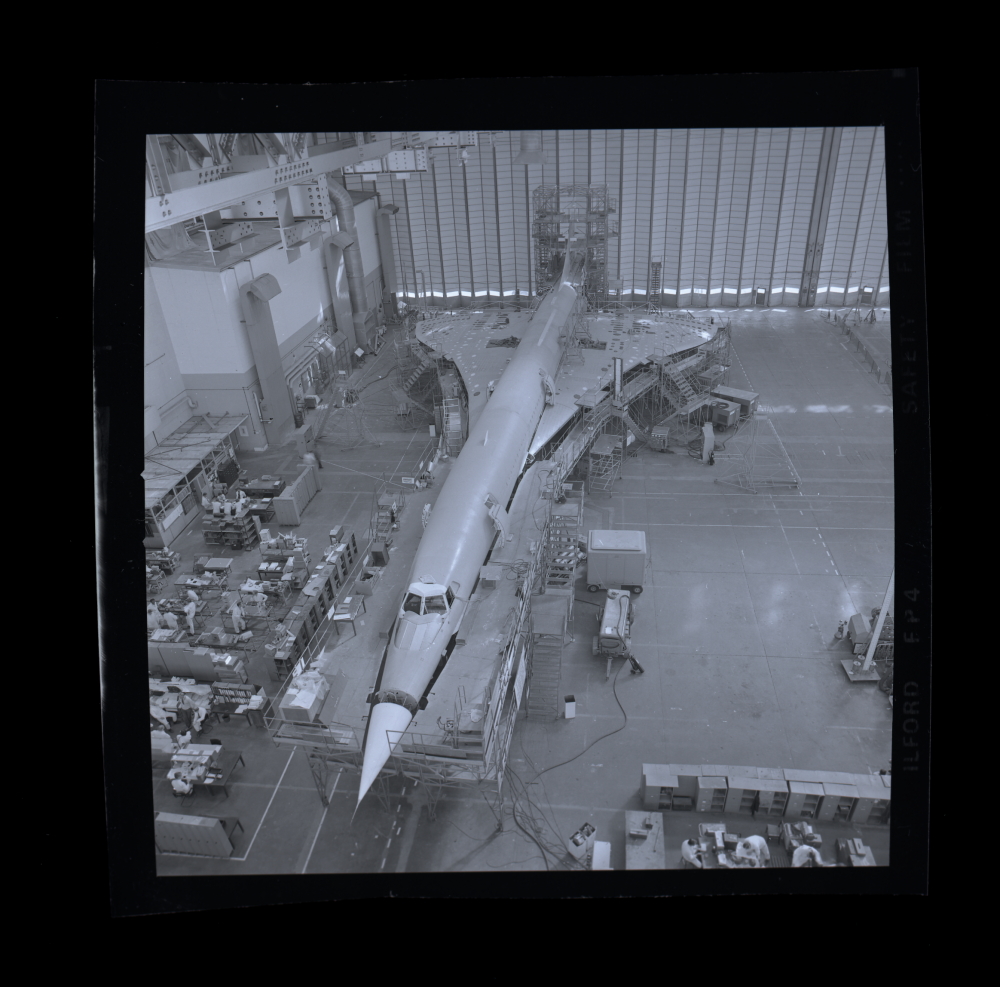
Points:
(755, 847)
(190, 609)
(238, 622)
(152, 617)
(807, 856)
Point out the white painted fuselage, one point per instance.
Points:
(460, 531)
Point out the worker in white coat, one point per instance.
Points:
(206, 501)
(169, 620)
(179, 783)
(190, 609)
(807, 856)
(193, 596)
(755, 848)
(152, 617)
(238, 622)
(691, 852)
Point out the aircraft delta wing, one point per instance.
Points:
(480, 344)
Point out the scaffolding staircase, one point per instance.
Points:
(681, 383)
(424, 363)
(452, 425)
(640, 431)
(561, 547)
(546, 669)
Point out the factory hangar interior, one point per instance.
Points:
(326, 317)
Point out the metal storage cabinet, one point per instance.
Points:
(773, 795)
(740, 794)
(774, 774)
(716, 771)
(711, 794)
(872, 805)
(686, 792)
(657, 787)
(175, 833)
(838, 802)
(804, 798)
(833, 777)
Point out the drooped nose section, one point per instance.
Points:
(385, 728)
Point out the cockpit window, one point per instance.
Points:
(435, 604)
(451, 596)
(412, 603)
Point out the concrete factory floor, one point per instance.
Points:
(735, 630)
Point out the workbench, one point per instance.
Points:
(261, 508)
(257, 489)
(255, 717)
(347, 612)
(166, 636)
(218, 775)
(200, 583)
(224, 566)
(177, 606)
(644, 846)
(853, 853)
(718, 849)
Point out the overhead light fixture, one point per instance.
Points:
(531, 149)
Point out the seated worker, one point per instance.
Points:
(691, 852)
(181, 785)
(807, 856)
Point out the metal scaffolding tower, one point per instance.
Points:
(589, 208)
(604, 463)
(755, 458)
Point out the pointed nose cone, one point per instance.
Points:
(386, 726)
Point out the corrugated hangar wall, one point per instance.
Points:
(726, 212)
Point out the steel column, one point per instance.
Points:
(819, 215)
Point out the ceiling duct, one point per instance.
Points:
(531, 149)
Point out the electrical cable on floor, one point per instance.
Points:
(519, 567)
(558, 853)
(537, 837)
(614, 686)
(531, 763)
(475, 839)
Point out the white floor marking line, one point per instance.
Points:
(322, 819)
(267, 808)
